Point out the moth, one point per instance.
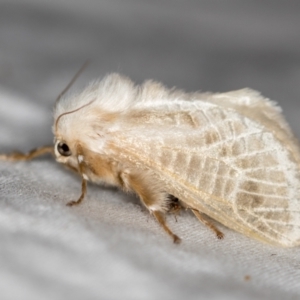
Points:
(230, 156)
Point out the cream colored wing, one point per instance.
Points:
(216, 160)
(253, 105)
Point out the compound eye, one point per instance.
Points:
(63, 149)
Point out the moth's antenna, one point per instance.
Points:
(72, 80)
(72, 111)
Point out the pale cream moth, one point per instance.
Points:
(230, 156)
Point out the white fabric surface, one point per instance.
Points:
(109, 247)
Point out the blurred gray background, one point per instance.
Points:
(192, 44)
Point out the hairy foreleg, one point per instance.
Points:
(15, 156)
(81, 166)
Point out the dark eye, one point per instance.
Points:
(63, 149)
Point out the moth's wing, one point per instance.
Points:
(220, 162)
(252, 104)
(249, 103)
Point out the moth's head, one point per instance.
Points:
(66, 130)
(73, 117)
(90, 115)
(66, 152)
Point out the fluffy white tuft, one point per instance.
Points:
(114, 93)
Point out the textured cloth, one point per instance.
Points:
(109, 247)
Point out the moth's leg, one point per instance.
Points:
(81, 166)
(83, 193)
(201, 217)
(14, 156)
(157, 202)
(161, 220)
(71, 168)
